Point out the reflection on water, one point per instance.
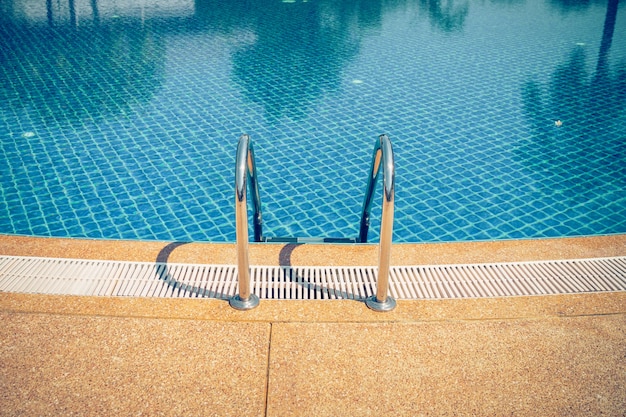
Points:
(446, 15)
(308, 52)
(86, 12)
(570, 6)
(81, 72)
(567, 117)
(585, 129)
(98, 50)
(118, 118)
(301, 48)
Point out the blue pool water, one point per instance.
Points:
(118, 120)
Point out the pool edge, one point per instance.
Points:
(318, 254)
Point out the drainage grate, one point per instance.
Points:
(146, 279)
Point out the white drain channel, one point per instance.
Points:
(154, 279)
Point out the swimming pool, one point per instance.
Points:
(121, 121)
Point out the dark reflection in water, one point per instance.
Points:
(300, 49)
(293, 78)
(82, 72)
(576, 123)
(449, 16)
(568, 6)
(308, 44)
(103, 65)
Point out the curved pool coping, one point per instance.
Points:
(318, 254)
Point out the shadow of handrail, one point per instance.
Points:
(288, 270)
(163, 274)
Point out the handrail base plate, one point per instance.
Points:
(387, 305)
(238, 303)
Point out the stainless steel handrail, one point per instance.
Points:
(245, 172)
(382, 158)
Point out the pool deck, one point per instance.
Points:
(558, 355)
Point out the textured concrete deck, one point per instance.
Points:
(562, 355)
(548, 356)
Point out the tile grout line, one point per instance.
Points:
(267, 373)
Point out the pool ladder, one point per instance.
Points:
(246, 175)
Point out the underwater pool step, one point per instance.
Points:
(155, 279)
(278, 239)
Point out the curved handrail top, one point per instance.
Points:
(241, 165)
(389, 170)
(245, 172)
(382, 157)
